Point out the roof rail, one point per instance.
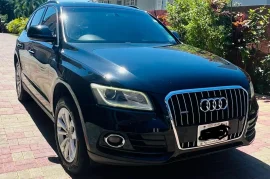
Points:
(134, 7)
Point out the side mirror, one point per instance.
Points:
(176, 35)
(41, 33)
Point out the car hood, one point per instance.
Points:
(161, 69)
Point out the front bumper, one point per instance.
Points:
(157, 147)
(112, 160)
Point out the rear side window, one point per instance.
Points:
(50, 19)
(37, 17)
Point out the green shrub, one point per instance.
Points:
(261, 76)
(213, 25)
(198, 25)
(16, 26)
(3, 17)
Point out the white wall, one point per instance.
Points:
(146, 4)
(161, 4)
(252, 2)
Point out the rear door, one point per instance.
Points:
(26, 54)
(45, 57)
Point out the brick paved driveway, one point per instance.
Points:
(27, 146)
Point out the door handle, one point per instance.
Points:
(31, 51)
(19, 45)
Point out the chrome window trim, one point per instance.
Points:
(196, 90)
(62, 24)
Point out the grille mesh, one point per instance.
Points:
(185, 107)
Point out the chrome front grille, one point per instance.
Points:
(184, 109)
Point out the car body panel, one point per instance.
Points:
(22, 47)
(155, 69)
(43, 57)
(160, 62)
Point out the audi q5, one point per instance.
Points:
(122, 89)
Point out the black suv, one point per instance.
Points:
(122, 89)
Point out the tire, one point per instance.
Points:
(21, 93)
(71, 146)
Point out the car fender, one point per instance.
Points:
(57, 81)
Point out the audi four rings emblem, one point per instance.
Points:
(213, 104)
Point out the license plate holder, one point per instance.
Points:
(201, 143)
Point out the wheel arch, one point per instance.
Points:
(16, 58)
(62, 88)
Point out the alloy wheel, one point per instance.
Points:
(66, 133)
(18, 79)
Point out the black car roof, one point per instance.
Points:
(86, 3)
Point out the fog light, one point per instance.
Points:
(115, 141)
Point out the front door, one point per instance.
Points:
(27, 59)
(45, 56)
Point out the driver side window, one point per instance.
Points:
(50, 20)
(37, 17)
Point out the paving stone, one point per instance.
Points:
(28, 155)
(17, 156)
(36, 172)
(9, 176)
(24, 174)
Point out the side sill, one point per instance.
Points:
(37, 101)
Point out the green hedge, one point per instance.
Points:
(214, 26)
(16, 26)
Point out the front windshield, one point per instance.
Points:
(111, 25)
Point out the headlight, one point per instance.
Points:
(251, 87)
(123, 98)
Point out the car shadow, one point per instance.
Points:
(232, 164)
(42, 121)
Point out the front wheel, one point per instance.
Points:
(69, 137)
